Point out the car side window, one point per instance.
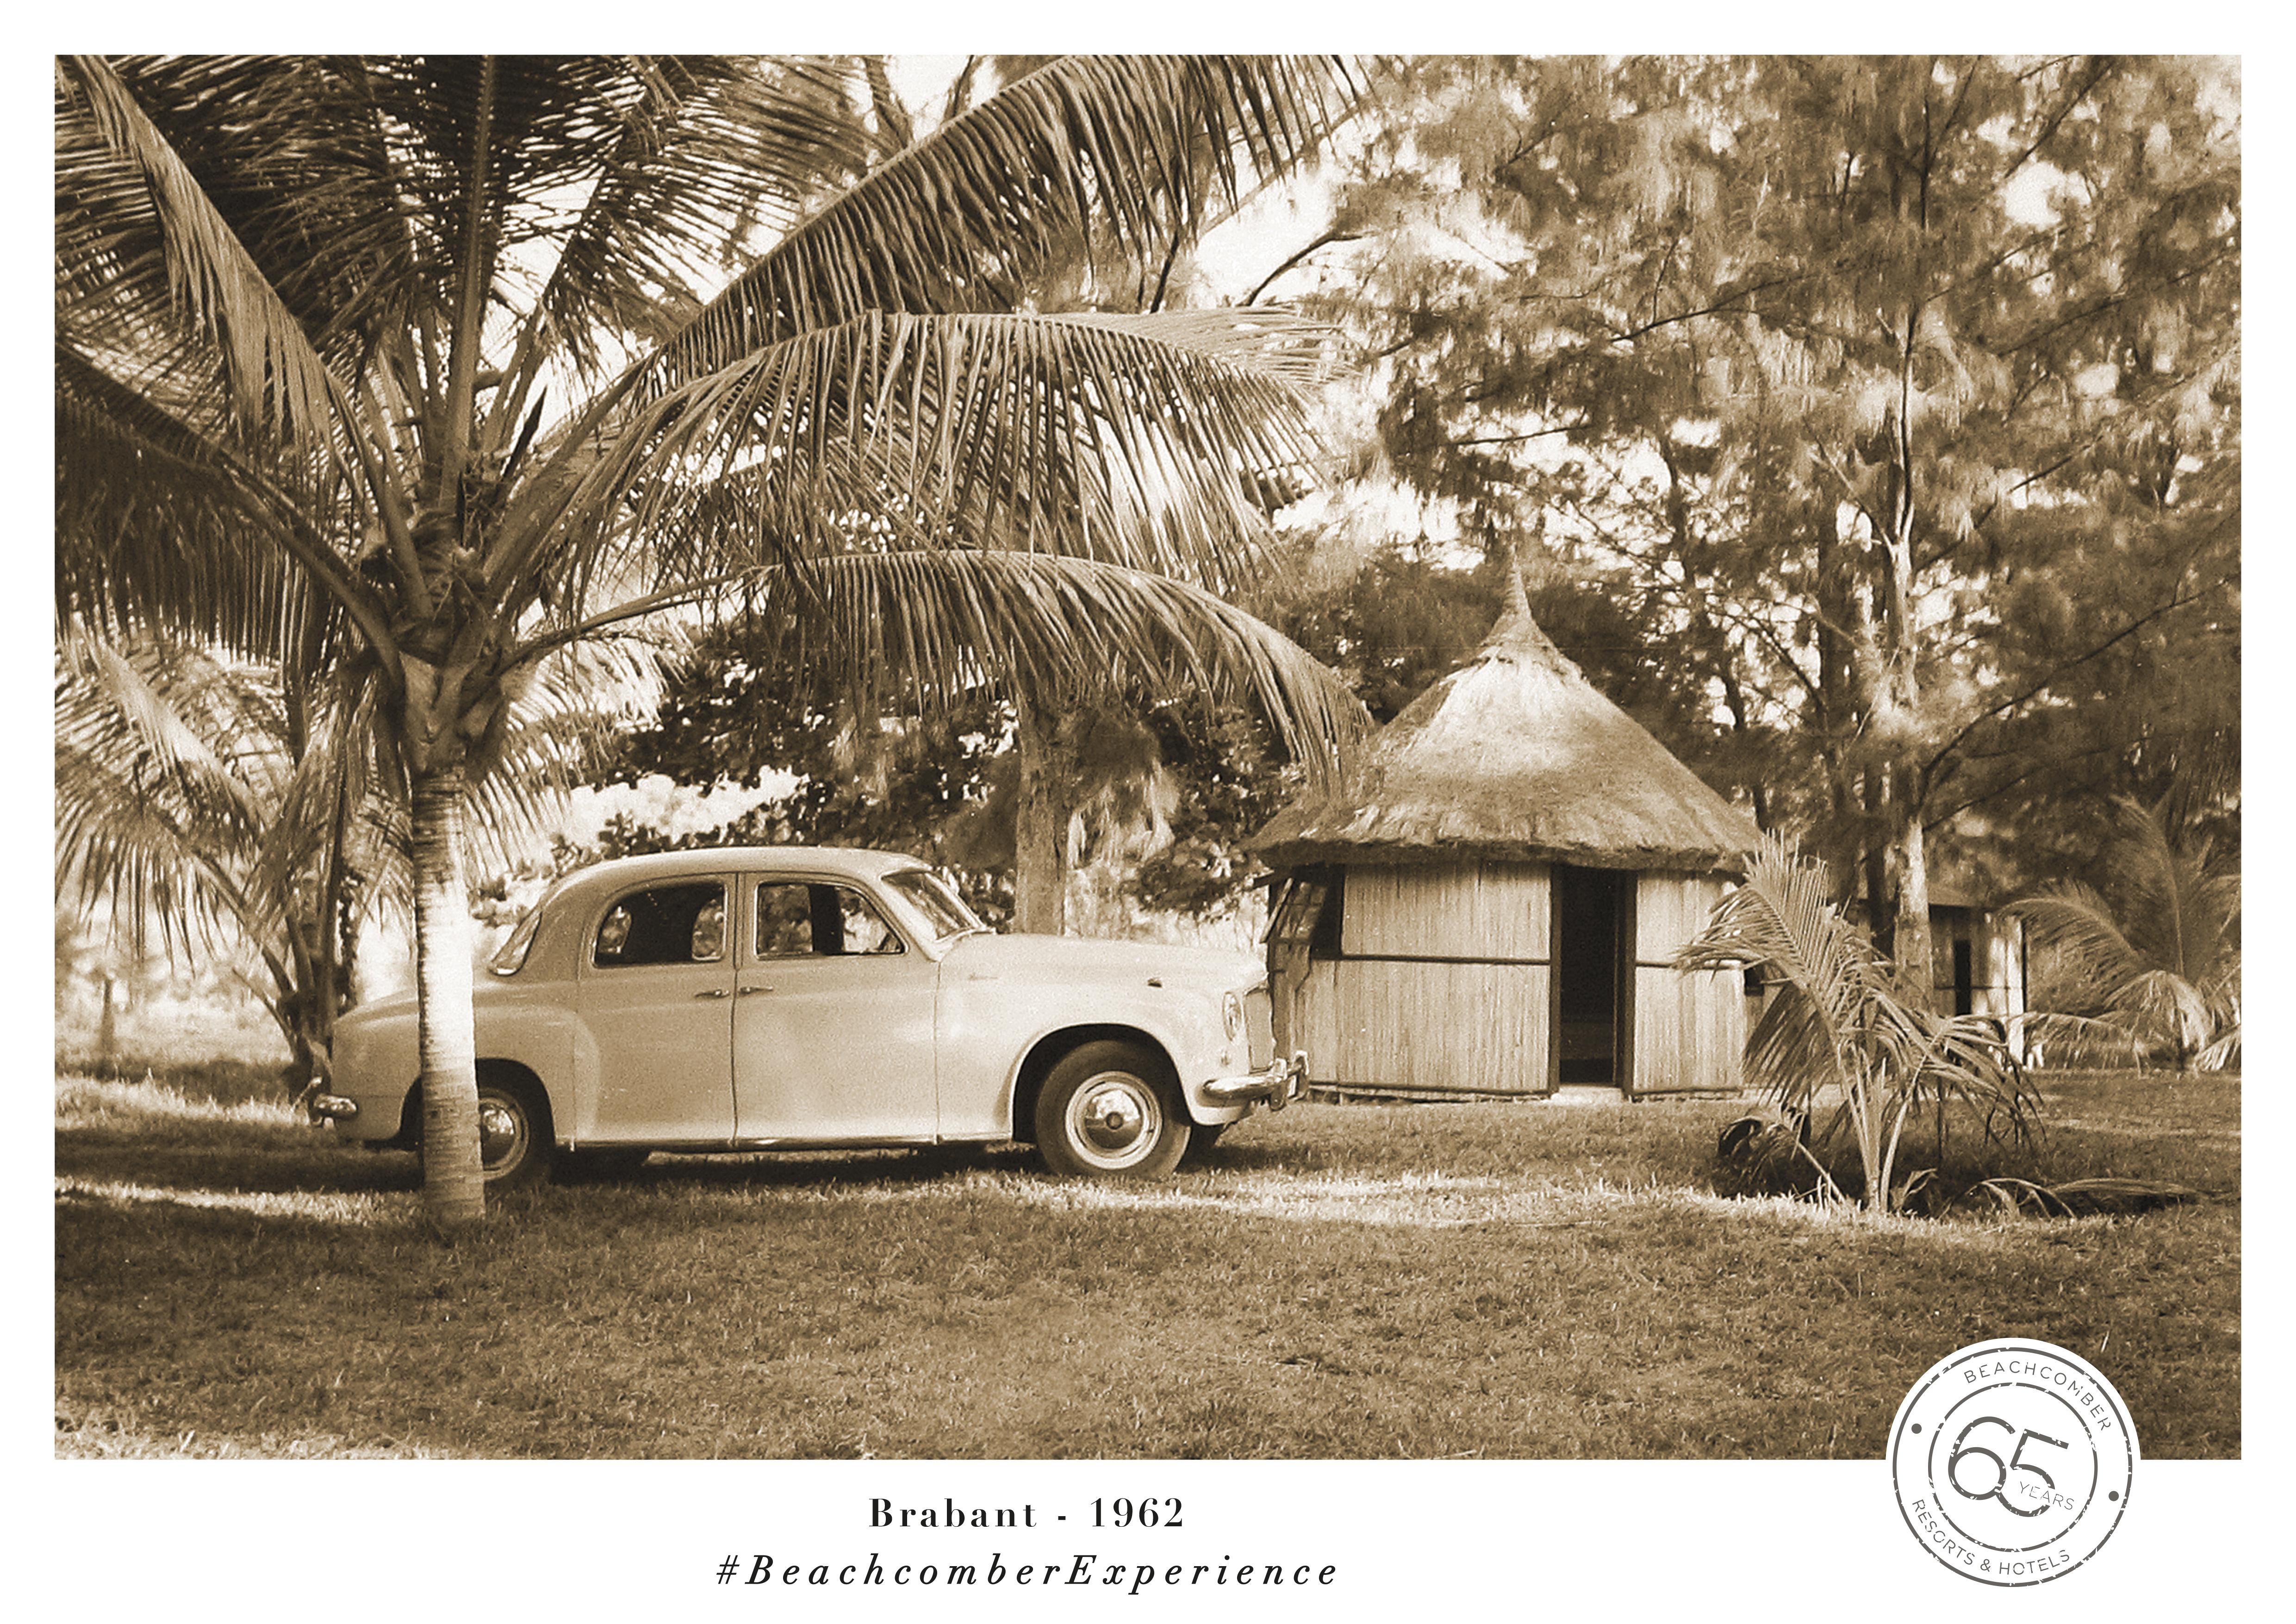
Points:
(668, 924)
(805, 919)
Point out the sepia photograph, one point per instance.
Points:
(1148, 758)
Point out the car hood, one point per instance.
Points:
(1069, 958)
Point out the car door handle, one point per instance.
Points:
(714, 992)
(746, 991)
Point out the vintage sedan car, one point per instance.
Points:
(773, 998)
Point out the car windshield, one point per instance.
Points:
(931, 896)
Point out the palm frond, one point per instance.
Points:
(1782, 918)
(165, 248)
(1832, 1024)
(151, 820)
(963, 219)
(160, 520)
(2164, 968)
(705, 149)
(934, 626)
(2074, 920)
(1139, 439)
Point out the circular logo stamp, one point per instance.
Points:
(2011, 1461)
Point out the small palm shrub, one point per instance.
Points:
(1837, 1048)
(2159, 977)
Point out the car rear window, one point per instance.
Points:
(666, 924)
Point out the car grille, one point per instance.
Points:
(1259, 1027)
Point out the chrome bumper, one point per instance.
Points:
(1278, 1086)
(334, 1107)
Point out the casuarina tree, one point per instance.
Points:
(1899, 395)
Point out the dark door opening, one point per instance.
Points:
(1964, 978)
(1590, 937)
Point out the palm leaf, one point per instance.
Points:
(155, 814)
(160, 517)
(1782, 918)
(195, 263)
(1134, 439)
(1832, 1025)
(2162, 969)
(935, 626)
(965, 218)
(705, 149)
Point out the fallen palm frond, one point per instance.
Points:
(2080, 1197)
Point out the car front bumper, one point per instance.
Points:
(1275, 1088)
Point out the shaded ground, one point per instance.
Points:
(1552, 1281)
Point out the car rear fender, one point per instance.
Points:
(534, 1037)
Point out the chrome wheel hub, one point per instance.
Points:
(1114, 1120)
(502, 1129)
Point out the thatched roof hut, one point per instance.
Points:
(1490, 899)
(1516, 756)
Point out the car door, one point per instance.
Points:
(833, 1018)
(657, 984)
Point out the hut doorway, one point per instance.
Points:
(1593, 931)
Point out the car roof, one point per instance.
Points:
(748, 860)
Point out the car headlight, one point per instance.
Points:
(1231, 1015)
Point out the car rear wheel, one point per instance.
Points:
(514, 1148)
(1108, 1110)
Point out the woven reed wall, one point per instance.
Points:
(1422, 1011)
(1387, 1023)
(1690, 1030)
(1469, 910)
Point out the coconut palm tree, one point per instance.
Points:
(1837, 1032)
(2162, 971)
(449, 345)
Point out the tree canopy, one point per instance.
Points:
(1899, 397)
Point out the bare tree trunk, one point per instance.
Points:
(1909, 943)
(454, 1188)
(1837, 708)
(1039, 839)
(107, 1035)
(1881, 903)
(1916, 971)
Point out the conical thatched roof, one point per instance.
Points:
(1514, 756)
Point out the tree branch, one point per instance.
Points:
(2042, 686)
(1326, 241)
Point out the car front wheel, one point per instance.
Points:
(1108, 1111)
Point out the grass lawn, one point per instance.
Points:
(1338, 1281)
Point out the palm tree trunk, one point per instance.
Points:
(454, 1188)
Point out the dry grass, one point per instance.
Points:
(1497, 1280)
